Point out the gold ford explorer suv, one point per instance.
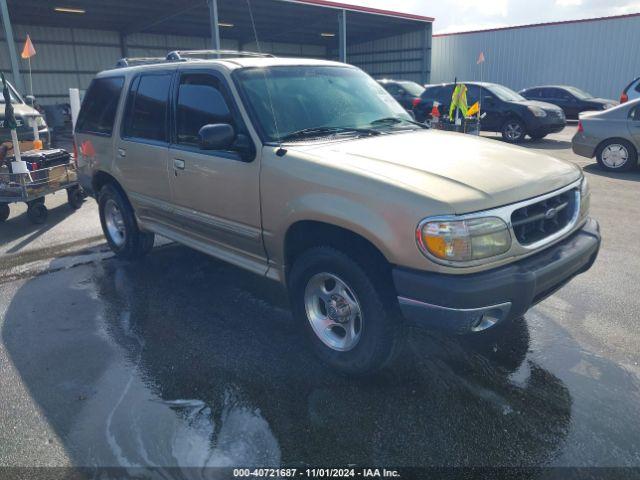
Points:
(309, 173)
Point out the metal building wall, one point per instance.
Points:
(399, 57)
(598, 56)
(69, 58)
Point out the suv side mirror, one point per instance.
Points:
(217, 136)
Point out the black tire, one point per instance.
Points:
(4, 212)
(514, 131)
(631, 153)
(380, 327)
(133, 243)
(37, 212)
(75, 197)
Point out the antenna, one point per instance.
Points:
(273, 110)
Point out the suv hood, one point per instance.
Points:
(20, 110)
(466, 172)
(549, 107)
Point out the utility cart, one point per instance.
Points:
(32, 187)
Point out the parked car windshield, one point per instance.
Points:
(505, 94)
(13, 94)
(581, 94)
(412, 87)
(286, 100)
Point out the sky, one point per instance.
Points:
(465, 15)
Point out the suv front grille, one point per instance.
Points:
(538, 221)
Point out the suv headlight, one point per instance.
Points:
(40, 122)
(464, 240)
(537, 111)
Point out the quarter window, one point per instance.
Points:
(147, 107)
(200, 102)
(99, 107)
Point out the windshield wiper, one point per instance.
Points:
(326, 131)
(395, 121)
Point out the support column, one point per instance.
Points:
(124, 48)
(11, 44)
(342, 35)
(215, 28)
(426, 54)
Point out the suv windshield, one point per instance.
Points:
(505, 94)
(13, 94)
(296, 100)
(412, 87)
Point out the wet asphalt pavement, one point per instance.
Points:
(181, 360)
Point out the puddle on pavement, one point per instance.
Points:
(205, 367)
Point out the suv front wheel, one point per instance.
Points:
(344, 316)
(514, 131)
(120, 227)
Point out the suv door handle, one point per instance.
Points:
(178, 164)
(122, 153)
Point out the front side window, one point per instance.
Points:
(200, 102)
(146, 116)
(99, 107)
(285, 100)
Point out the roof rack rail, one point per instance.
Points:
(184, 55)
(133, 61)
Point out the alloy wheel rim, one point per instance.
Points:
(615, 155)
(333, 311)
(514, 131)
(115, 223)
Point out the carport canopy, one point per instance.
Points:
(313, 22)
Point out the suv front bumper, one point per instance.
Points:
(469, 303)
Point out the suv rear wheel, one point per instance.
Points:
(513, 131)
(344, 316)
(120, 227)
(617, 155)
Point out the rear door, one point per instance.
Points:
(634, 126)
(216, 194)
(94, 127)
(142, 152)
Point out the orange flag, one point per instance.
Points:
(29, 50)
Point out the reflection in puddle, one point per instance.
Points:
(145, 431)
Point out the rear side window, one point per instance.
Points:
(200, 102)
(146, 112)
(100, 105)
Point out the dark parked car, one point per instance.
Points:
(405, 92)
(571, 99)
(503, 110)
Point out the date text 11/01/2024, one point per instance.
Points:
(316, 473)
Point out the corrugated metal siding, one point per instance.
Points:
(598, 56)
(399, 57)
(69, 58)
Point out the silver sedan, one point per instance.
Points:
(612, 136)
